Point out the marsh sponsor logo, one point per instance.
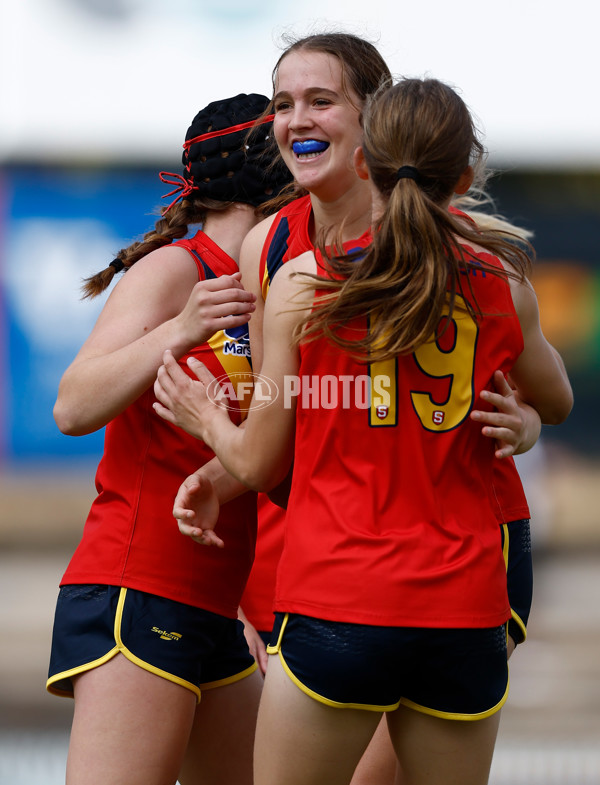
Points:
(237, 341)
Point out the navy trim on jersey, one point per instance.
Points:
(278, 248)
(208, 272)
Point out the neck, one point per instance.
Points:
(228, 228)
(351, 212)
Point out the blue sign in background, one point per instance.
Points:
(58, 227)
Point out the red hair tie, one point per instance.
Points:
(182, 188)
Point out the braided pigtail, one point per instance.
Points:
(172, 225)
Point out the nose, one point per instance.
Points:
(300, 117)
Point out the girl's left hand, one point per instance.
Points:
(514, 425)
(196, 509)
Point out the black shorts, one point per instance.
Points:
(516, 545)
(459, 674)
(187, 645)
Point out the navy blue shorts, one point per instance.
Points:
(189, 646)
(516, 545)
(459, 674)
(265, 636)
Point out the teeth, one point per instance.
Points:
(304, 156)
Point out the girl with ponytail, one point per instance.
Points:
(391, 589)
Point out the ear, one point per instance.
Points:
(465, 181)
(360, 165)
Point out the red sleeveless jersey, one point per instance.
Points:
(130, 537)
(289, 237)
(392, 514)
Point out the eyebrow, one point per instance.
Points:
(308, 92)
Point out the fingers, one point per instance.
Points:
(162, 411)
(167, 377)
(208, 537)
(223, 282)
(494, 418)
(504, 397)
(222, 290)
(228, 309)
(182, 506)
(200, 371)
(501, 384)
(171, 380)
(261, 657)
(505, 403)
(201, 536)
(505, 451)
(189, 529)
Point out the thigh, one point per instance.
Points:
(129, 725)
(434, 751)
(379, 763)
(220, 749)
(301, 741)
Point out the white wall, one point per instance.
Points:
(97, 79)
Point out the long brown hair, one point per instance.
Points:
(412, 268)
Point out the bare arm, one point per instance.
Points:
(158, 303)
(539, 373)
(259, 454)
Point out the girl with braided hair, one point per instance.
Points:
(391, 590)
(146, 621)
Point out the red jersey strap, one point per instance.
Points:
(211, 260)
(288, 237)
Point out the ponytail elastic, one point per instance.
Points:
(410, 173)
(117, 265)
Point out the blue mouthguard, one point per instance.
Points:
(309, 146)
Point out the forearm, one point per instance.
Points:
(229, 443)
(95, 389)
(253, 454)
(226, 486)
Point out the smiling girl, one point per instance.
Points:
(391, 592)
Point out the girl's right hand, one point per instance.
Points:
(215, 304)
(255, 643)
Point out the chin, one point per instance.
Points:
(311, 180)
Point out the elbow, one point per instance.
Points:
(558, 413)
(262, 478)
(68, 424)
(62, 420)
(255, 480)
